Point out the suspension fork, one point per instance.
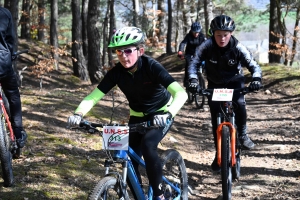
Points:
(232, 141)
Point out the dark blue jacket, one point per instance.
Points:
(7, 41)
(191, 43)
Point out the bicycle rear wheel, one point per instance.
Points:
(174, 170)
(107, 188)
(5, 154)
(226, 164)
(200, 99)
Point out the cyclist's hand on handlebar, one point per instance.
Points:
(162, 120)
(193, 85)
(255, 85)
(180, 55)
(74, 120)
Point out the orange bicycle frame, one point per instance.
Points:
(232, 141)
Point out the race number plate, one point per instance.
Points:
(115, 137)
(222, 95)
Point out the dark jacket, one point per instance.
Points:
(7, 40)
(191, 43)
(224, 64)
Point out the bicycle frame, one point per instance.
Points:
(11, 133)
(129, 171)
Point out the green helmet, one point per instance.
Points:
(126, 36)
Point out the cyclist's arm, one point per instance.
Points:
(89, 101)
(183, 43)
(179, 97)
(248, 61)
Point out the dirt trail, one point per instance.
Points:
(62, 164)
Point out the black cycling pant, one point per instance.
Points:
(188, 59)
(11, 91)
(146, 145)
(239, 104)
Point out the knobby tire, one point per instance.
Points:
(5, 154)
(107, 188)
(175, 171)
(226, 163)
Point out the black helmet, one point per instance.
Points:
(196, 27)
(223, 23)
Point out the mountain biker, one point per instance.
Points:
(191, 41)
(224, 57)
(8, 77)
(152, 93)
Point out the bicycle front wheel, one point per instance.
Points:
(174, 170)
(200, 99)
(5, 154)
(226, 164)
(107, 188)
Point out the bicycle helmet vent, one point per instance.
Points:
(196, 27)
(127, 36)
(223, 23)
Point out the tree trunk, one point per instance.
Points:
(162, 29)
(208, 13)
(84, 15)
(169, 34)
(25, 20)
(94, 41)
(53, 32)
(295, 36)
(41, 28)
(135, 4)
(112, 29)
(104, 32)
(274, 53)
(79, 62)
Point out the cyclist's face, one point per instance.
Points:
(195, 34)
(222, 37)
(129, 55)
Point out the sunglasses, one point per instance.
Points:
(126, 51)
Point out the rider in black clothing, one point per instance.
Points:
(224, 57)
(192, 40)
(8, 77)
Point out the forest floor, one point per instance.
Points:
(58, 163)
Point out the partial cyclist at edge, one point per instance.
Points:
(152, 93)
(224, 57)
(8, 78)
(190, 42)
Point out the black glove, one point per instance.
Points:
(255, 84)
(193, 85)
(161, 120)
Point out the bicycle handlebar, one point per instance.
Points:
(208, 92)
(92, 127)
(15, 55)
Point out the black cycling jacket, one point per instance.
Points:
(145, 89)
(7, 39)
(191, 43)
(223, 64)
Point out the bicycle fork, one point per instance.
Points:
(232, 129)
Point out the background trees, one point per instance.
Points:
(82, 28)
